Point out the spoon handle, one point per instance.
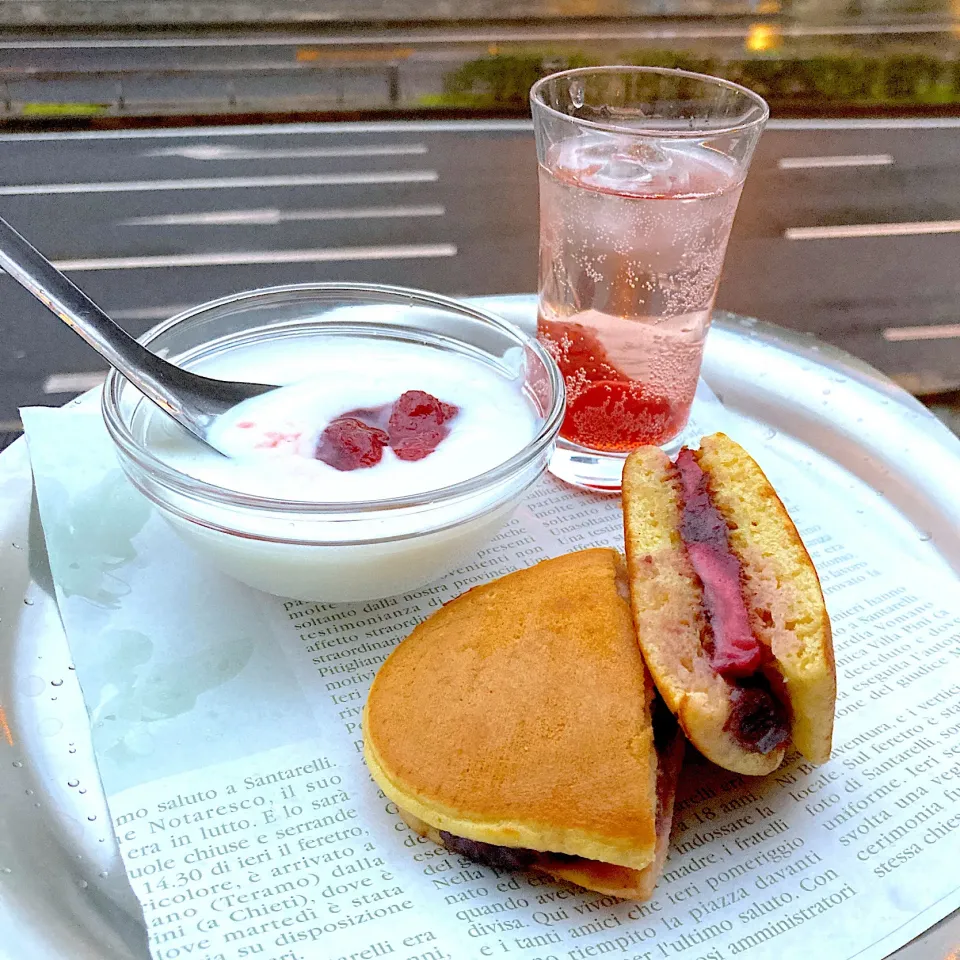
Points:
(59, 295)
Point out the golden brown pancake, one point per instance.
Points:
(607, 878)
(622, 881)
(780, 589)
(519, 715)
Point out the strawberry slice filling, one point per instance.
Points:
(757, 720)
(736, 651)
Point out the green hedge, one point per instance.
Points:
(503, 81)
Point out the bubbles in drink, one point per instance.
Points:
(632, 239)
(576, 93)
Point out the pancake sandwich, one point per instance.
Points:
(728, 606)
(518, 726)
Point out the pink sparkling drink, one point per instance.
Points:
(640, 174)
(629, 267)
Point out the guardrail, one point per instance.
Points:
(338, 69)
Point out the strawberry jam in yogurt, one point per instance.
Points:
(363, 419)
(415, 425)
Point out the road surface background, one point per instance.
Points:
(847, 230)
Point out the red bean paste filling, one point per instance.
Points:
(520, 858)
(413, 427)
(757, 721)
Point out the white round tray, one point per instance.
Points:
(63, 891)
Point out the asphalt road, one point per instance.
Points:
(847, 230)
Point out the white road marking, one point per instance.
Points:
(438, 126)
(946, 331)
(284, 129)
(72, 382)
(211, 151)
(219, 183)
(267, 217)
(840, 160)
(849, 231)
(926, 382)
(868, 123)
(249, 257)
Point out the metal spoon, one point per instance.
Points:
(193, 401)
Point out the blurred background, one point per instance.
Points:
(164, 152)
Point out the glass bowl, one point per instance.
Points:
(335, 551)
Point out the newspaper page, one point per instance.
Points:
(226, 725)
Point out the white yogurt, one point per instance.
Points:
(272, 438)
(360, 554)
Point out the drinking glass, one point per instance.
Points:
(641, 169)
